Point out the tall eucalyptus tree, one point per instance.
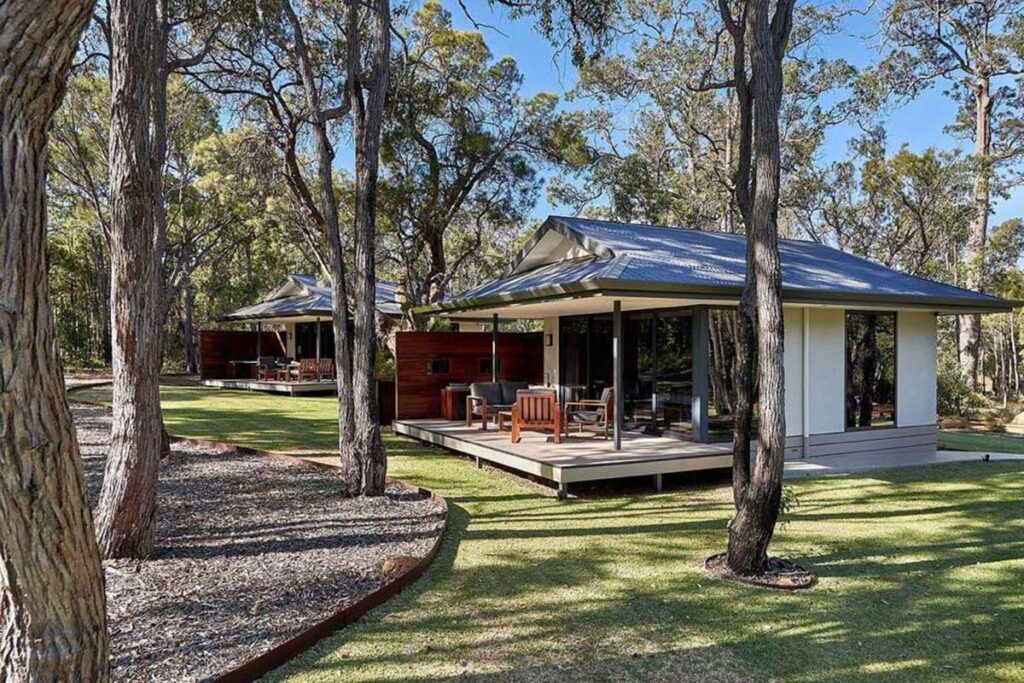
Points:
(974, 45)
(52, 618)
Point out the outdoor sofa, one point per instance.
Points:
(487, 399)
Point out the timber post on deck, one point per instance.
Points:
(494, 348)
(617, 373)
(318, 378)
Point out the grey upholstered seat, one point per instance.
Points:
(499, 395)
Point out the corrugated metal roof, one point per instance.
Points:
(662, 259)
(302, 295)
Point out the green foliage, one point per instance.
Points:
(907, 210)
(787, 505)
(662, 129)
(459, 157)
(230, 238)
(955, 398)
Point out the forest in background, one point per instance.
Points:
(466, 155)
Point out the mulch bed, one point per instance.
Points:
(782, 574)
(248, 552)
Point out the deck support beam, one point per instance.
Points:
(701, 352)
(494, 348)
(563, 490)
(657, 483)
(259, 344)
(617, 372)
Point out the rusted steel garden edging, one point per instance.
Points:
(264, 663)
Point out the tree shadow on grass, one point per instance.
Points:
(544, 595)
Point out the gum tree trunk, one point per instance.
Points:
(367, 118)
(52, 618)
(970, 325)
(351, 462)
(752, 528)
(127, 502)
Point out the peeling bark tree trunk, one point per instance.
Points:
(758, 507)
(744, 361)
(52, 618)
(127, 502)
(970, 325)
(367, 119)
(351, 463)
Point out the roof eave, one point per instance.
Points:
(605, 287)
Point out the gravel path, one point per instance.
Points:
(248, 551)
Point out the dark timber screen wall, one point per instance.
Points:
(426, 362)
(217, 348)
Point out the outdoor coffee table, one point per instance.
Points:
(504, 415)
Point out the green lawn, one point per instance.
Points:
(921, 574)
(981, 441)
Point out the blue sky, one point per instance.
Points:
(918, 124)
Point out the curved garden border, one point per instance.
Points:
(281, 653)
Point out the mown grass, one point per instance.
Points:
(921, 574)
(981, 441)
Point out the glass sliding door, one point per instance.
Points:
(638, 368)
(585, 356)
(674, 375)
(657, 366)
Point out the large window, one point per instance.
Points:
(657, 365)
(722, 329)
(305, 340)
(870, 370)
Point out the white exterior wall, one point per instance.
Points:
(551, 352)
(826, 370)
(915, 368)
(793, 359)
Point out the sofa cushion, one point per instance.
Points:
(489, 391)
(509, 389)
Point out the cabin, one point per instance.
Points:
(644, 316)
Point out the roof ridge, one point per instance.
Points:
(677, 228)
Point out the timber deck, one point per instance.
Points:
(274, 387)
(578, 458)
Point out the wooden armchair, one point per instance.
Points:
(307, 369)
(594, 412)
(266, 368)
(536, 410)
(326, 368)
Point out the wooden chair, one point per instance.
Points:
(307, 369)
(595, 412)
(536, 410)
(266, 368)
(326, 368)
